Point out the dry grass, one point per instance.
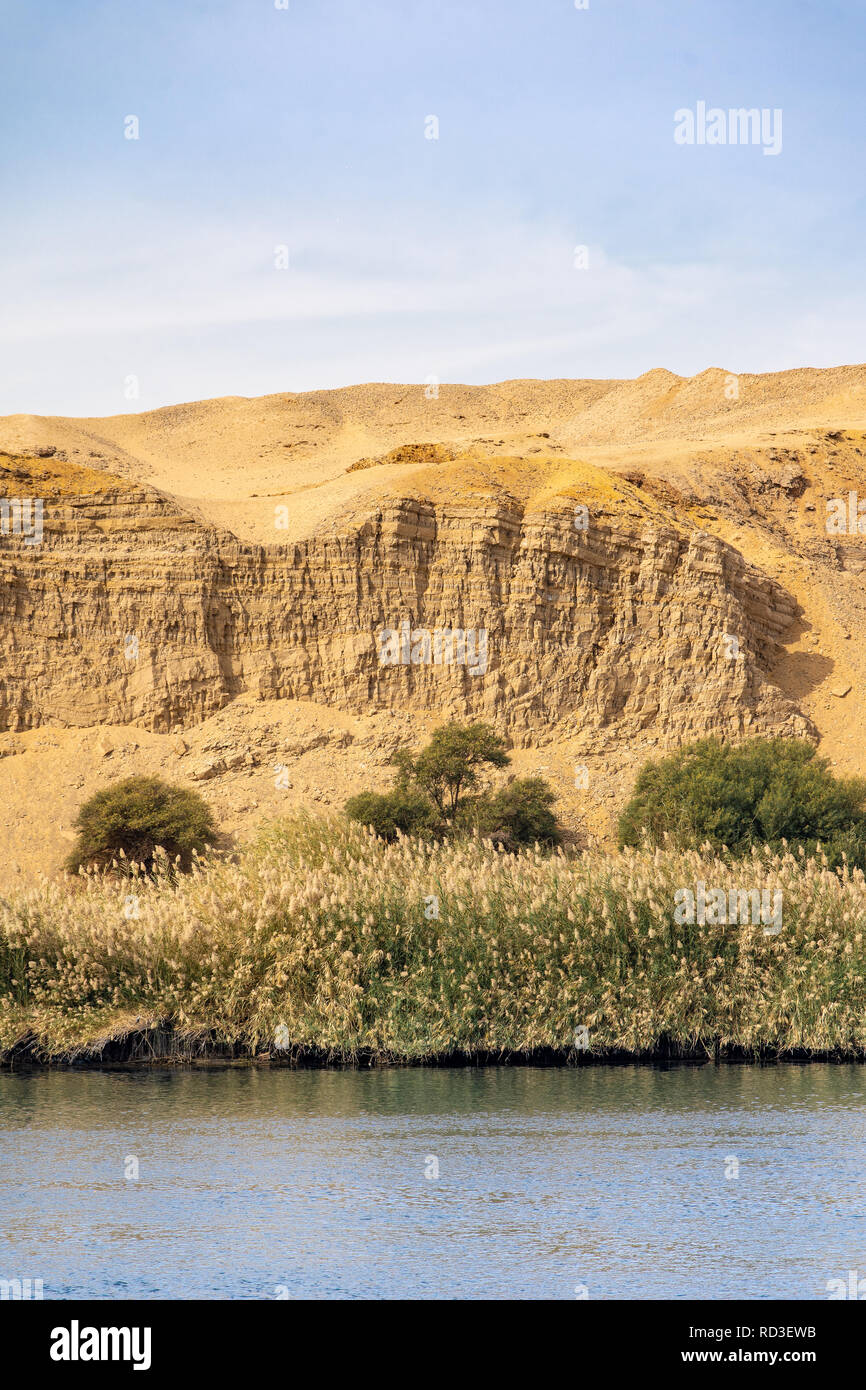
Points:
(319, 935)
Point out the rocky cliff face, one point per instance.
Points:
(132, 611)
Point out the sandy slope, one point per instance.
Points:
(234, 460)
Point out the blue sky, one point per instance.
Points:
(412, 257)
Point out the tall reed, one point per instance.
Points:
(321, 937)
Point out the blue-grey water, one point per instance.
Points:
(599, 1182)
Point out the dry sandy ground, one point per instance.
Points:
(233, 461)
(252, 761)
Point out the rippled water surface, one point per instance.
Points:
(258, 1184)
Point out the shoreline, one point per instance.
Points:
(165, 1048)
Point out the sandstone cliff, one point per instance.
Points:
(649, 561)
(131, 611)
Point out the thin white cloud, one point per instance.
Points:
(490, 298)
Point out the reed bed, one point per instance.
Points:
(321, 939)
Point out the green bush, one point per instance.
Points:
(387, 813)
(518, 814)
(762, 792)
(133, 818)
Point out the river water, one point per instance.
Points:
(601, 1182)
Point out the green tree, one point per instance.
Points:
(138, 816)
(761, 792)
(450, 764)
(439, 789)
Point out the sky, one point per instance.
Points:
(554, 227)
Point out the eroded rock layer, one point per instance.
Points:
(131, 610)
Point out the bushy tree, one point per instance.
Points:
(138, 816)
(439, 789)
(761, 792)
(517, 814)
(449, 766)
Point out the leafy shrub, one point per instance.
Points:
(387, 813)
(133, 818)
(518, 814)
(762, 792)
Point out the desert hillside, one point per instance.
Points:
(233, 460)
(649, 560)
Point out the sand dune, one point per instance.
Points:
(234, 459)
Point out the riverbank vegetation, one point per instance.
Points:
(766, 791)
(323, 938)
(442, 791)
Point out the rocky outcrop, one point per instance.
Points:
(132, 611)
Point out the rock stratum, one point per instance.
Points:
(131, 611)
(648, 562)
